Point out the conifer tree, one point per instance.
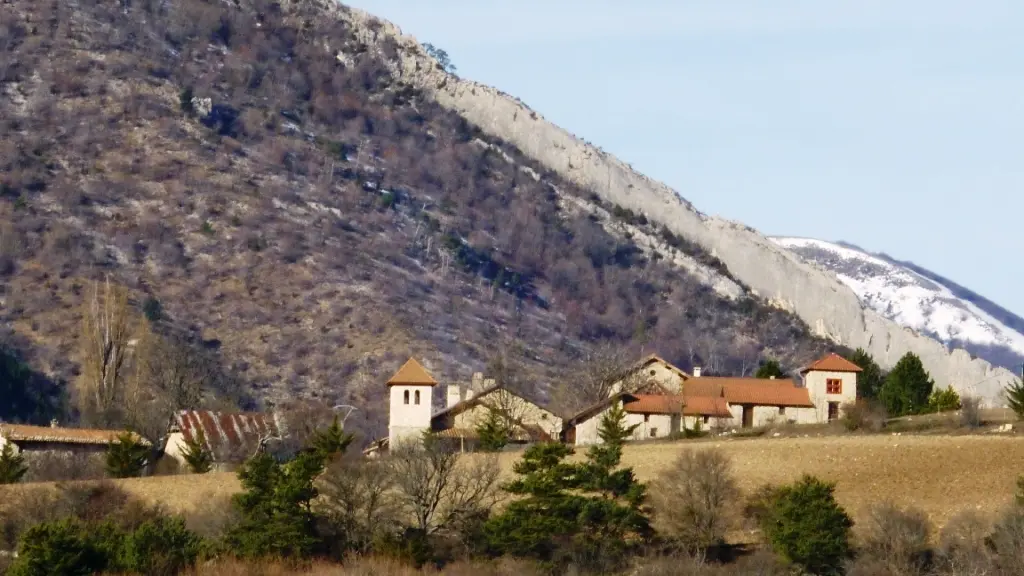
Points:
(196, 454)
(1015, 397)
(590, 511)
(127, 457)
(871, 378)
(768, 369)
(907, 387)
(492, 433)
(331, 441)
(12, 465)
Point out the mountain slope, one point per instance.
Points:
(920, 300)
(824, 303)
(257, 169)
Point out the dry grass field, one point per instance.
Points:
(942, 475)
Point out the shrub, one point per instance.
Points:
(63, 548)
(806, 526)
(159, 547)
(127, 457)
(12, 465)
(1015, 397)
(963, 547)
(863, 414)
(693, 497)
(970, 412)
(896, 540)
(1007, 541)
(945, 400)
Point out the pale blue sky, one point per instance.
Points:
(895, 125)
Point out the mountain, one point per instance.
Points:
(920, 300)
(769, 271)
(277, 181)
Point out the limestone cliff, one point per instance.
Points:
(775, 274)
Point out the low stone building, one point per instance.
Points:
(655, 416)
(55, 452)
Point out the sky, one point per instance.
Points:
(896, 125)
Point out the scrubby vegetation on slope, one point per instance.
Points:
(253, 170)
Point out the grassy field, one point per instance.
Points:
(942, 475)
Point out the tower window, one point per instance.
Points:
(417, 397)
(406, 396)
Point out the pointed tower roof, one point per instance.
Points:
(412, 373)
(832, 363)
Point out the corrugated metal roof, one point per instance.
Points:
(227, 432)
(28, 433)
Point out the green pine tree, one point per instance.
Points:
(12, 465)
(492, 433)
(871, 378)
(197, 455)
(276, 518)
(907, 387)
(332, 441)
(768, 369)
(127, 457)
(1015, 397)
(592, 512)
(805, 525)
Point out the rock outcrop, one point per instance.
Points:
(775, 274)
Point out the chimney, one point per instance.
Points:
(696, 371)
(478, 382)
(454, 395)
(53, 423)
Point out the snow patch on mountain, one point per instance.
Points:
(906, 297)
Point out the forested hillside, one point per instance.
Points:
(251, 171)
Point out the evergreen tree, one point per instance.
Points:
(945, 400)
(275, 507)
(196, 454)
(12, 465)
(871, 378)
(1015, 398)
(768, 369)
(806, 526)
(590, 512)
(332, 441)
(907, 387)
(127, 457)
(492, 433)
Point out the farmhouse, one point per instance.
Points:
(411, 410)
(230, 437)
(655, 416)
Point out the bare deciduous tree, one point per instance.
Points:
(608, 369)
(694, 499)
(439, 489)
(357, 502)
(107, 330)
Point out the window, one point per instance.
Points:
(782, 410)
(653, 372)
(707, 419)
(417, 397)
(647, 418)
(406, 396)
(833, 386)
(654, 432)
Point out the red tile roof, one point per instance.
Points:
(227, 433)
(26, 433)
(832, 363)
(705, 406)
(676, 404)
(412, 373)
(756, 391)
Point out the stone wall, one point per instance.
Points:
(830, 308)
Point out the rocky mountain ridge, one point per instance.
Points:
(831, 308)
